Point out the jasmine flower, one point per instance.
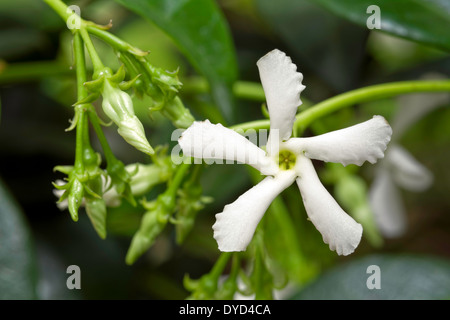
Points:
(286, 160)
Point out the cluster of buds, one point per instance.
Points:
(95, 189)
(84, 186)
(118, 106)
(161, 86)
(178, 205)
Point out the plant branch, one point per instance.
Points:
(350, 98)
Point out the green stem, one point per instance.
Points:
(80, 62)
(260, 273)
(109, 155)
(113, 41)
(177, 179)
(96, 61)
(220, 265)
(60, 8)
(235, 266)
(241, 89)
(256, 125)
(365, 94)
(81, 94)
(350, 98)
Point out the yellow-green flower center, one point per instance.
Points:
(286, 160)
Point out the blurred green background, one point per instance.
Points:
(335, 54)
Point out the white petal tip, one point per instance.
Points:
(340, 231)
(378, 141)
(236, 224)
(353, 238)
(282, 85)
(227, 241)
(277, 60)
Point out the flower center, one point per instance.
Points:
(286, 160)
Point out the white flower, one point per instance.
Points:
(400, 169)
(286, 160)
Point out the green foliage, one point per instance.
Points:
(402, 277)
(163, 228)
(18, 263)
(205, 40)
(416, 20)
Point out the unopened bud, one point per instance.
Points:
(132, 130)
(116, 103)
(118, 106)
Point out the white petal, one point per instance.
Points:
(406, 171)
(235, 226)
(387, 206)
(366, 141)
(205, 140)
(282, 86)
(338, 229)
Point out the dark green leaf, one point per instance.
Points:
(417, 20)
(17, 257)
(201, 33)
(317, 40)
(402, 277)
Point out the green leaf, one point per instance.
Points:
(17, 256)
(201, 33)
(416, 20)
(402, 277)
(331, 47)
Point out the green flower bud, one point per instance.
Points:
(152, 224)
(136, 179)
(166, 81)
(147, 176)
(74, 198)
(188, 207)
(201, 289)
(177, 113)
(121, 181)
(227, 290)
(84, 188)
(117, 104)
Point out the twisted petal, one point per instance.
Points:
(406, 171)
(282, 86)
(338, 229)
(116, 104)
(235, 226)
(366, 141)
(205, 140)
(132, 130)
(387, 205)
